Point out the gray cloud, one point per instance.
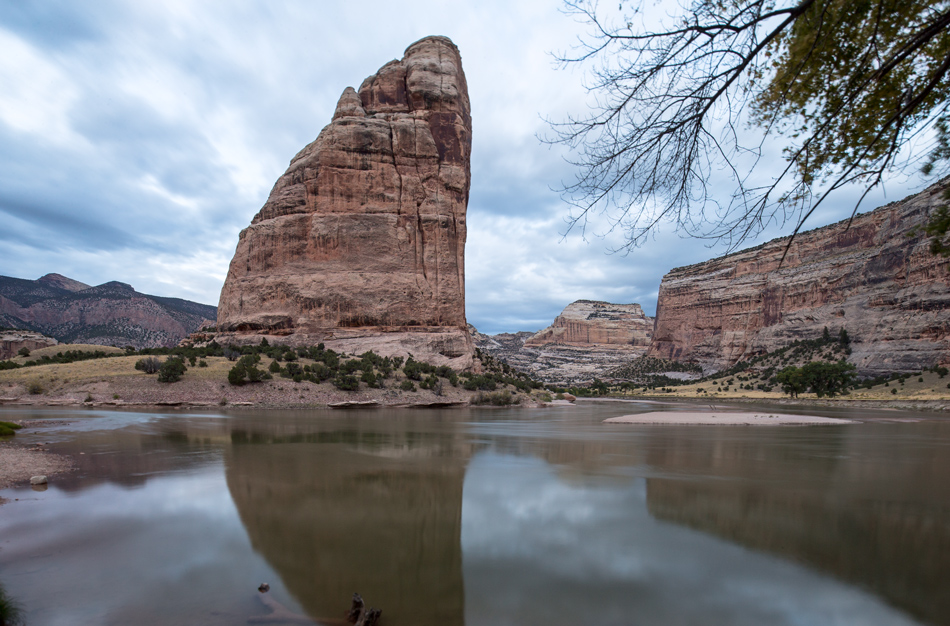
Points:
(140, 138)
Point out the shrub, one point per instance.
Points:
(149, 365)
(346, 382)
(407, 385)
(202, 363)
(499, 398)
(246, 370)
(34, 387)
(171, 370)
(237, 374)
(415, 369)
(274, 367)
(24, 351)
(370, 378)
(89, 398)
(320, 372)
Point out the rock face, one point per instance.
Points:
(12, 341)
(585, 323)
(361, 243)
(877, 279)
(109, 314)
(586, 340)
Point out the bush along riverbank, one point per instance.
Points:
(259, 375)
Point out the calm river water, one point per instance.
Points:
(483, 517)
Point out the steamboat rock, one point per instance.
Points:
(586, 340)
(875, 278)
(361, 243)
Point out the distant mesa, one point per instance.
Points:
(587, 339)
(587, 323)
(112, 313)
(361, 244)
(876, 278)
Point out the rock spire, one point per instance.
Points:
(361, 244)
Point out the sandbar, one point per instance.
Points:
(725, 418)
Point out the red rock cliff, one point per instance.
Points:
(361, 243)
(587, 323)
(877, 279)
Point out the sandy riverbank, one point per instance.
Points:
(725, 418)
(20, 463)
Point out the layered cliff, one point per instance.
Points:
(588, 323)
(361, 243)
(876, 278)
(585, 341)
(109, 314)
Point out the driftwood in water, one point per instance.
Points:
(359, 615)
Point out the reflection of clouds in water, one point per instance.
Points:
(166, 552)
(539, 551)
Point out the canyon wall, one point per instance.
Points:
(876, 278)
(586, 340)
(361, 243)
(587, 322)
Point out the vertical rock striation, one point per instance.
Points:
(361, 243)
(877, 279)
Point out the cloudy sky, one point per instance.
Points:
(138, 138)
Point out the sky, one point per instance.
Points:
(138, 138)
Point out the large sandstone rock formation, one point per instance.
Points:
(585, 341)
(877, 279)
(361, 243)
(586, 322)
(112, 313)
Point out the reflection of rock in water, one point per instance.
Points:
(880, 526)
(382, 519)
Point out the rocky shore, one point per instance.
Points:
(18, 463)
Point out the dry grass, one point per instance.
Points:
(115, 381)
(932, 388)
(52, 351)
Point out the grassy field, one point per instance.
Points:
(928, 386)
(115, 381)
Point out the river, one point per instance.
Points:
(482, 517)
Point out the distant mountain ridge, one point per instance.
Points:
(112, 313)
